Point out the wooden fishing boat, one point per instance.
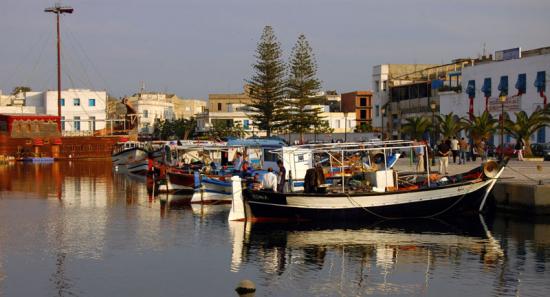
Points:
(378, 193)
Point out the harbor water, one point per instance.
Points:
(80, 228)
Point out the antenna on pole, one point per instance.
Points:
(58, 9)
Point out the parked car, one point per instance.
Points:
(537, 149)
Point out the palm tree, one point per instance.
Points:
(415, 127)
(449, 125)
(482, 126)
(525, 125)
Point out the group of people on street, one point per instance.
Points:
(461, 150)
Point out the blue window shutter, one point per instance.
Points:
(521, 83)
(540, 82)
(471, 88)
(503, 85)
(486, 89)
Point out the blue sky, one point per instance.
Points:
(196, 47)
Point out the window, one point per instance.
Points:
(377, 85)
(77, 123)
(363, 101)
(62, 123)
(377, 110)
(76, 101)
(337, 123)
(91, 102)
(246, 124)
(145, 113)
(62, 101)
(219, 106)
(363, 114)
(92, 123)
(384, 85)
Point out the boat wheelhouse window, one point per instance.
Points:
(269, 156)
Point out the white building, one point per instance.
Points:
(82, 111)
(514, 78)
(152, 107)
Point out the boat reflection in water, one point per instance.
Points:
(397, 257)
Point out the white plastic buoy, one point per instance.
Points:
(237, 212)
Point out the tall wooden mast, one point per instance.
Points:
(58, 9)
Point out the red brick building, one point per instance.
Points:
(360, 103)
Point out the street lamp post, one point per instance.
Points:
(345, 126)
(382, 113)
(502, 99)
(434, 141)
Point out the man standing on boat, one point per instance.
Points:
(238, 162)
(281, 177)
(269, 181)
(444, 150)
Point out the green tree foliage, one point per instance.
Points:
(322, 128)
(174, 129)
(449, 125)
(302, 87)
(221, 130)
(482, 126)
(416, 126)
(19, 89)
(363, 128)
(526, 125)
(267, 85)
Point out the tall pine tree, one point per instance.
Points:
(302, 86)
(267, 85)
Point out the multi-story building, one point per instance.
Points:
(406, 90)
(185, 108)
(229, 102)
(519, 77)
(360, 104)
(151, 107)
(83, 111)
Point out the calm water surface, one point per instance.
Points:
(79, 229)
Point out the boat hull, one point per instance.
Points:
(213, 191)
(138, 168)
(128, 156)
(413, 204)
(178, 180)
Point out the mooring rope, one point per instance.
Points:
(400, 218)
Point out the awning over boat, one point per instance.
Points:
(471, 88)
(521, 83)
(486, 88)
(503, 85)
(540, 82)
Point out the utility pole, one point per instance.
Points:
(58, 9)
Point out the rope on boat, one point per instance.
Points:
(400, 218)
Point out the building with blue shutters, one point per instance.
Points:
(519, 76)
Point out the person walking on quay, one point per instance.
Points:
(443, 150)
(463, 146)
(520, 146)
(454, 149)
(419, 152)
(281, 177)
(482, 150)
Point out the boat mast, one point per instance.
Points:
(58, 9)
